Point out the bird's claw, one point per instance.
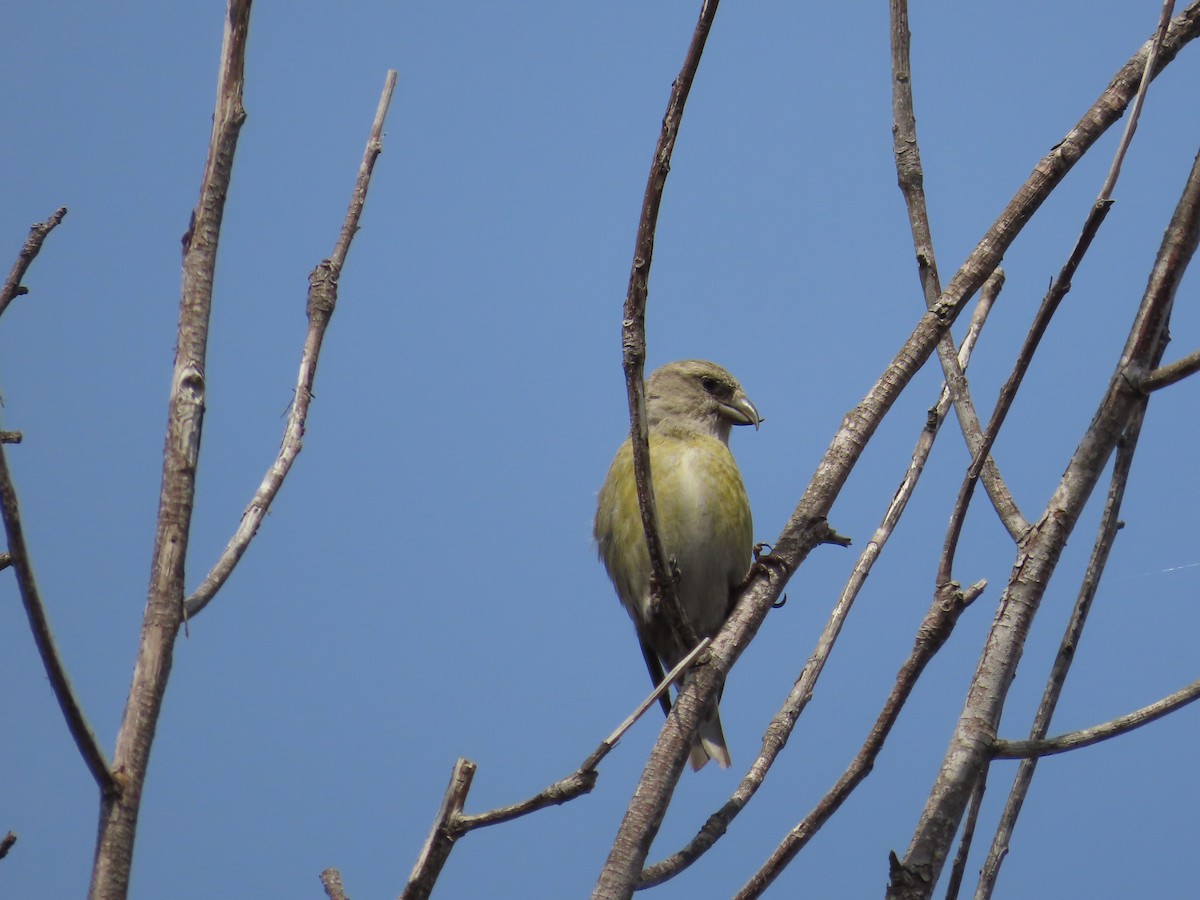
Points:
(766, 563)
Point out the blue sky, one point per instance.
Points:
(425, 587)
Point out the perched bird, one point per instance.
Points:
(703, 517)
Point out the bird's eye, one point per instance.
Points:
(710, 384)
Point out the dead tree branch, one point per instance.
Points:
(164, 605)
(932, 635)
(1105, 538)
(33, 244)
(910, 176)
(322, 298)
(1085, 737)
(633, 333)
(43, 637)
(1049, 306)
(451, 822)
(1171, 373)
(782, 724)
(18, 558)
(807, 526)
(331, 880)
(970, 747)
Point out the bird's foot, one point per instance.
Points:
(766, 562)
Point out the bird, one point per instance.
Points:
(703, 517)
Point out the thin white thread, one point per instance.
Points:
(1165, 571)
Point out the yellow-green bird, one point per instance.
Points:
(703, 517)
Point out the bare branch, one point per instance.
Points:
(322, 298)
(359, 199)
(1050, 303)
(18, 557)
(807, 526)
(632, 842)
(441, 838)
(1085, 737)
(910, 177)
(1135, 109)
(452, 823)
(780, 728)
(633, 329)
(1164, 376)
(970, 747)
(164, 605)
(583, 779)
(935, 629)
(578, 783)
(33, 245)
(1105, 537)
(43, 637)
(331, 880)
(6, 843)
(660, 691)
(964, 845)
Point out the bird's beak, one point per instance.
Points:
(740, 411)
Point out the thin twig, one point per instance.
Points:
(43, 637)
(948, 604)
(660, 691)
(583, 779)
(633, 331)
(1171, 373)
(911, 179)
(1135, 108)
(808, 527)
(780, 728)
(18, 558)
(958, 870)
(1110, 523)
(1085, 737)
(33, 244)
(1038, 554)
(322, 298)
(1041, 321)
(452, 823)
(625, 859)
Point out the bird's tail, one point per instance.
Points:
(710, 743)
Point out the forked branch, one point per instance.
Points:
(1050, 303)
(185, 416)
(1101, 548)
(970, 748)
(807, 526)
(452, 823)
(780, 728)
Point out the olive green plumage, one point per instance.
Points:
(703, 514)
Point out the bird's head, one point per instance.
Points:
(700, 395)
